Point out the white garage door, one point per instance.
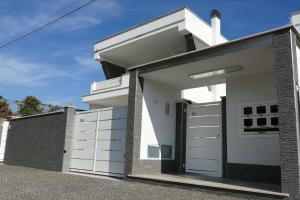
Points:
(99, 141)
(203, 139)
(3, 129)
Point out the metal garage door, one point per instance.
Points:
(99, 141)
(203, 139)
(3, 129)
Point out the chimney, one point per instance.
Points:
(215, 25)
(295, 20)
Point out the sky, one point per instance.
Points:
(56, 64)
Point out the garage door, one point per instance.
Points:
(3, 129)
(99, 141)
(203, 139)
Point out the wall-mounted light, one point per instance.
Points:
(218, 72)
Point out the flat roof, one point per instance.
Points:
(151, 20)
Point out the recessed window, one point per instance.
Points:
(261, 109)
(261, 121)
(153, 151)
(274, 121)
(166, 151)
(248, 122)
(274, 108)
(247, 110)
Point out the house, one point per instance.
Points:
(181, 99)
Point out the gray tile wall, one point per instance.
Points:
(38, 141)
(285, 74)
(134, 120)
(70, 117)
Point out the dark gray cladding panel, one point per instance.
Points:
(111, 70)
(180, 141)
(254, 173)
(284, 43)
(38, 141)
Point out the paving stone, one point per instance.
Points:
(21, 183)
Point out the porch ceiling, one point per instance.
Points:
(253, 61)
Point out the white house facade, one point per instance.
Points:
(181, 99)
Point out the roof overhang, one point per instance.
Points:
(155, 39)
(254, 54)
(255, 40)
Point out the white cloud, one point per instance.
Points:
(17, 71)
(90, 16)
(87, 62)
(44, 11)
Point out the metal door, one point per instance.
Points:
(203, 139)
(99, 141)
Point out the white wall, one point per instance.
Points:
(157, 127)
(205, 94)
(262, 150)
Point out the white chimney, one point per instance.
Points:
(215, 25)
(295, 20)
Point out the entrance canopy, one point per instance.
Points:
(213, 67)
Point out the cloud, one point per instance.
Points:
(90, 16)
(45, 11)
(17, 71)
(87, 62)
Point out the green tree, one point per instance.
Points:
(53, 108)
(5, 111)
(30, 106)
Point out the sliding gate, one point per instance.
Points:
(98, 144)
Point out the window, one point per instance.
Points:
(261, 109)
(248, 122)
(274, 108)
(166, 151)
(274, 121)
(153, 151)
(258, 118)
(247, 110)
(261, 121)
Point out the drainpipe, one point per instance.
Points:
(215, 25)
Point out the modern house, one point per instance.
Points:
(181, 99)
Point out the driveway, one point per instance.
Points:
(25, 183)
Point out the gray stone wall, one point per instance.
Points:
(38, 141)
(285, 74)
(134, 120)
(70, 117)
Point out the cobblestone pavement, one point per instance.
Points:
(25, 183)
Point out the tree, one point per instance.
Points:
(53, 108)
(30, 106)
(5, 111)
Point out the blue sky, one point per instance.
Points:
(56, 65)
